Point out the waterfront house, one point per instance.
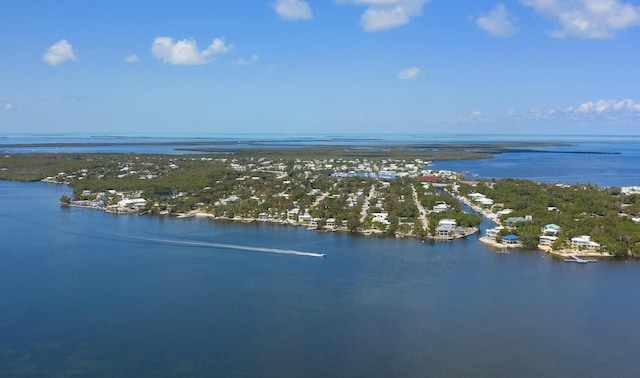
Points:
(304, 218)
(492, 233)
(133, 202)
(380, 217)
(510, 240)
(584, 242)
(293, 213)
(445, 228)
(547, 240)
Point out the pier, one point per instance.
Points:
(576, 259)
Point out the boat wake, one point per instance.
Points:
(191, 243)
(229, 246)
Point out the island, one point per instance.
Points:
(383, 190)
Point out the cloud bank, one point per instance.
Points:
(498, 22)
(186, 52)
(59, 53)
(610, 110)
(588, 19)
(293, 9)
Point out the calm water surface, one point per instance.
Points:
(85, 293)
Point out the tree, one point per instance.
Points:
(65, 200)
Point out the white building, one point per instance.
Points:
(547, 240)
(380, 218)
(584, 242)
(492, 233)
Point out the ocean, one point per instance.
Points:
(85, 293)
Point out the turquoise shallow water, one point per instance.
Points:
(91, 294)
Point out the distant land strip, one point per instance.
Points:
(560, 152)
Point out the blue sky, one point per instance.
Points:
(330, 66)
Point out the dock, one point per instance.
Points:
(576, 259)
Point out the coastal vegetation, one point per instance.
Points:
(607, 215)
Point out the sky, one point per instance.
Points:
(567, 67)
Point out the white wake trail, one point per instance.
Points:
(229, 246)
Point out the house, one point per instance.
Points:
(293, 213)
(380, 218)
(440, 207)
(514, 220)
(584, 242)
(445, 228)
(133, 202)
(443, 232)
(448, 222)
(547, 240)
(492, 233)
(551, 228)
(331, 222)
(510, 240)
(304, 218)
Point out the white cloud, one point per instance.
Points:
(186, 51)
(293, 9)
(409, 73)
(131, 58)
(8, 106)
(610, 110)
(59, 53)
(590, 19)
(245, 62)
(475, 116)
(498, 22)
(388, 14)
(626, 106)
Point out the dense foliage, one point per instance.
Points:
(605, 214)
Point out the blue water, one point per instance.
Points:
(85, 293)
(612, 164)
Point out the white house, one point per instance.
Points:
(492, 233)
(133, 202)
(584, 242)
(547, 240)
(304, 218)
(380, 218)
